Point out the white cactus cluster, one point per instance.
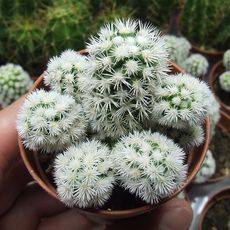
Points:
(63, 72)
(149, 165)
(226, 60)
(179, 48)
(50, 122)
(196, 65)
(224, 81)
(207, 169)
(84, 175)
(180, 101)
(127, 58)
(108, 98)
(14, 82)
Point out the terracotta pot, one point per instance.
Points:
(216, 71)
(221, 195)
(33, 165)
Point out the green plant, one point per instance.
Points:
(23, 40)
(205, 23)
(156, 11)
(66, 25)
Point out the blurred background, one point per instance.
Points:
(32, 31)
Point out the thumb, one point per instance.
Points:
(9, 151)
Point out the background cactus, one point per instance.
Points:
(207, 169)
(224, 81)
(50, 122)
(83, 174)
(66, 26)
(157, 12)
(149, 165)
(178, 47)
(196, 65)
(226, 60)
(14, 82)
(205, 23)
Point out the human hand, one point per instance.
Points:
(27, 207)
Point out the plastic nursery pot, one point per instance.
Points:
(30, 158)
(223, 194)
(216, 71)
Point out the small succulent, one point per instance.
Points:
(180, 102)
(196, 65)
(207, 169)
(179, 48)
(226, 60)
(127, 58)
(149, 165)
(50, 122)
(224, 81)
(14, 82)
(83, 174)
(62, 73)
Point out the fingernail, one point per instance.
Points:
(176, 218)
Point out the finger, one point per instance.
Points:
(173, 215)
(9, 150)
(70, 220)
(12, 184)
(31, 206)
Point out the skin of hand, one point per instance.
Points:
(26, 206)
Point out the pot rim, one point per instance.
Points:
(115, 214)
(220, 195)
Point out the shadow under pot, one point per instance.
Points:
(222, 96)
(216, 213)
(38, 170)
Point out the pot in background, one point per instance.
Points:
(221, 195)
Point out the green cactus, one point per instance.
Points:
(66, 26)
(24, 39)
(156, 11)
(206, 23)
(110, 11)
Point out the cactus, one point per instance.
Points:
(157, 12)
(62, 73)
(127, 57)
(180, 102)
(65, 26)
(179, 48)
(149, 165)
(204, 22)
(83, 175)
(207, 169)
(14, 82)
(50, 122)
(226, 60)
(196, 65)
(224, 81)
(24, 40)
